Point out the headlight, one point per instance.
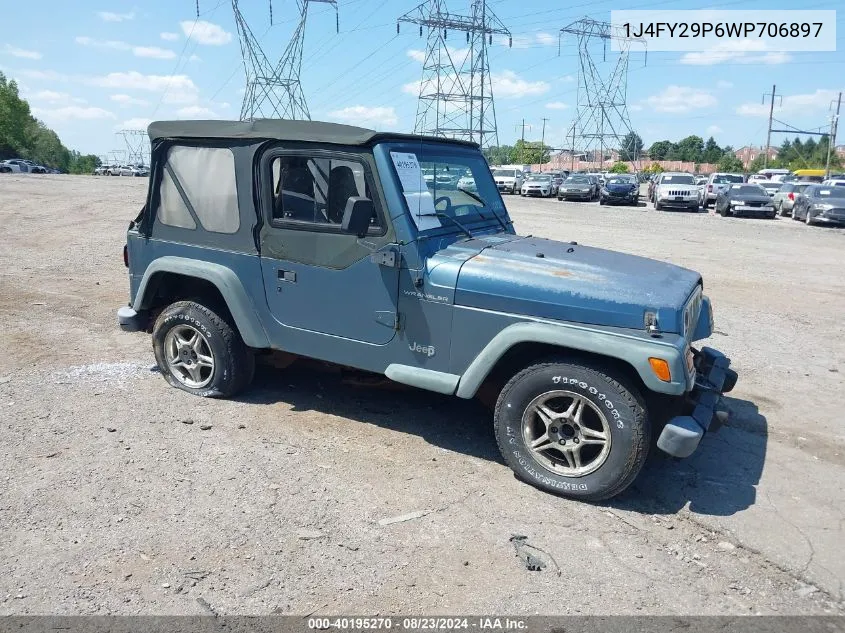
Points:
(733, 202)
(822, 207)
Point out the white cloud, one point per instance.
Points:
(736, 52)
(206, 33)
(508, 84)
(412, 88)
(714, 129)
(195, 58)
(153, 52)
(134, 124)
(792, 104)
(126, 100)
(72, 112)
(417, 55)
(112, 44)
(557, 105)
(169, 37)
(108, 16)
(375, 117)
(678, 99)
(196, 112)
(51, 96)
(546, 39)
(176, 88)
(22, 53)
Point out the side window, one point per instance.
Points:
(200, 182)
(314, 191)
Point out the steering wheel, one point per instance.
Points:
(445, 199)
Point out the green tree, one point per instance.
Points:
(15, 119)
(712, 152)
(632, 147)
(531, 152)
(619, 168)
(80, 164)
(654, 168)
(660, 150)
(690, 149)
(729, 163)
(499, 155)
(757, 164)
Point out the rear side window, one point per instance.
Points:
(199, 183)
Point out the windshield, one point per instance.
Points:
(723, 179)
(831, 192)
(677, 180)
(578, 180)
(461, 186)
(748, 190)
(620, 180)
(504, 173)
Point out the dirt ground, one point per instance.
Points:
(121, 495)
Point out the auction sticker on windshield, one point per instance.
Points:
(419, 198)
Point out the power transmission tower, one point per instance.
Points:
(772, 98)
(137, 146)
(274, 92)
(456, 92)
(601, 119)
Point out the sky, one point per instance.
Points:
(90, 69)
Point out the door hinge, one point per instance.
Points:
(390, 319)
(384, 258)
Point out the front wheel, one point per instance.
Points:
(808, 219)
(572, 429)
(200, 352)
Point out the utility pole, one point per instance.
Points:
(831, 141)
(771, 116)
(522, 146)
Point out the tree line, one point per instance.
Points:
(24, 136)
(795, 154)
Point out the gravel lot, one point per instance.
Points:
(121, 495)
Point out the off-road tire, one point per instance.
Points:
(622, 405)
(234, 364)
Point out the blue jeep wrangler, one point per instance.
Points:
(394, 254)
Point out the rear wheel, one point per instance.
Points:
(808, 219)
(200, 352)
(657, 206)
(572, 429)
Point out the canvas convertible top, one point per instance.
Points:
(306, 131)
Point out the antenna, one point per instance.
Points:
(456, 93)
(601, 120)
(274, 92)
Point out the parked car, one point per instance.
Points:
(538, 185)
(24, 166)
(508, 180)
(757, 178)
(578, 187)
(786, 196)
(10, 167)
(433, 296)
(745, 199)
(834, 182)
(771, 187)
(133, 170)
(675, 190)
(820, 204)
(467, 182)
(558, 178)
(717, 182)
(102, 170)
(652, 183)
(620, 189)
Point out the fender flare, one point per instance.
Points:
(633, 348)
(224, 279)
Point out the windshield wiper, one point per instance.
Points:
(481, 200)
(439, 214)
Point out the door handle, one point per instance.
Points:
(286, 275)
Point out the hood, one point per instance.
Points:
(752, 197)
(621, 186)
(675, 187)
(570, 282)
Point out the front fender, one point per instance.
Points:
(629, 346)
(226, 281)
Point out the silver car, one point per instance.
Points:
(785, 197)
(717, 183)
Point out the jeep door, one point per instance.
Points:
(318, 279)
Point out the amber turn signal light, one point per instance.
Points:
(661, 369)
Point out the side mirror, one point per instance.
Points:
(357, 215)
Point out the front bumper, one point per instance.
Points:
(536, 192)
(130, 320)
(507, 186)
(622, 198)
(686, 203)
(575, 194)
(682, 434)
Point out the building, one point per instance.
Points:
(750, 152)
